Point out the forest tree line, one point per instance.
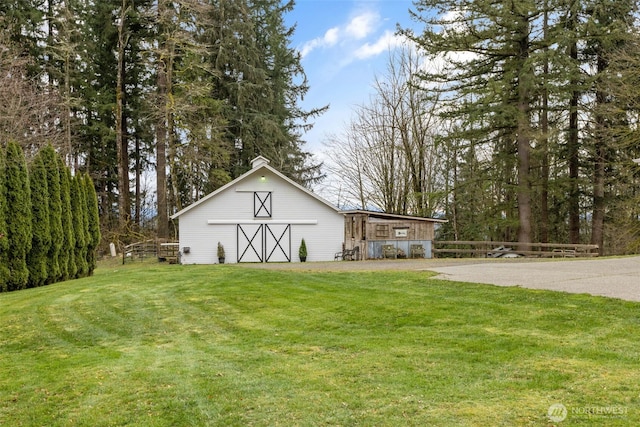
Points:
(515, 121)
(160, 102)
(49, 224)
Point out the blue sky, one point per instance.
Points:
(344, 45)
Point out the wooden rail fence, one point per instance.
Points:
(164, 250)
(494, 249)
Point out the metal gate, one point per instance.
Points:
(264, 242)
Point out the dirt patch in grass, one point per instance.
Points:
(379, 265)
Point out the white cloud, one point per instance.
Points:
(329, 39)
(331, 36)
(362, 25)
(359, 27)
(387, 41)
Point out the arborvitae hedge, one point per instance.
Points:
(49, 157)
(78, 210)
(4, 241)
(49, 224)
(94, 222)
(67, 259)
(37, 259)
(18, 216)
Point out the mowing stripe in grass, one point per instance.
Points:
(223, 345)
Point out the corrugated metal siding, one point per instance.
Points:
(236, 205)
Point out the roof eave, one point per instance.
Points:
(395, 216)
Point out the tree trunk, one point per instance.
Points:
(573, 144)
(138, 192)
(597, 226)
(523, 138)
(171, 129)
(599, 203)
(161, 153)
(161, 136)
(544, 142)
(122, 149)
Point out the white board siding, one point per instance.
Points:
(216, 219)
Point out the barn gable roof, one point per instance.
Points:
(259, 164)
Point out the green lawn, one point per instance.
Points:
(167, 345)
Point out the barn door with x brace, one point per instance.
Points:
(264, 242)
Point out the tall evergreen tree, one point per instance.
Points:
(23, 21)
(50, 160)
(96, 135)
(184, 109)
(93, 218)
(261, 80)
(608, 29)
(68, 268)
(37, 258)
(64, 69)
(18, 216)
(84, 207)
(569, 26)
(491, 60)
(80, 225)
(170, 40)
(122, 137)
(281, 120)
(4, 240)
(199, 159)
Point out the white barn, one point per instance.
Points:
(261, 216)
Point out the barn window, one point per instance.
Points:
(382, 230)
(262, 204)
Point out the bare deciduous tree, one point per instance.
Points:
(389, 155)
(30, 112)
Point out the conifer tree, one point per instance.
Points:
(260, 78)
(78, 208)
(4, 246)
(37, 259)
(98, 98)
(23, 21)
(280, 120)
(18, 216)
(609, 29)
(68, 268)
(84, 208)
(93, 236)
(50, 159)
(489, 76)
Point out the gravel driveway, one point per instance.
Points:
(610, 277)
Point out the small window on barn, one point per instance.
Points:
(382, 230)
(262, 204)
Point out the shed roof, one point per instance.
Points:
(259, 164)
(384, 215)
